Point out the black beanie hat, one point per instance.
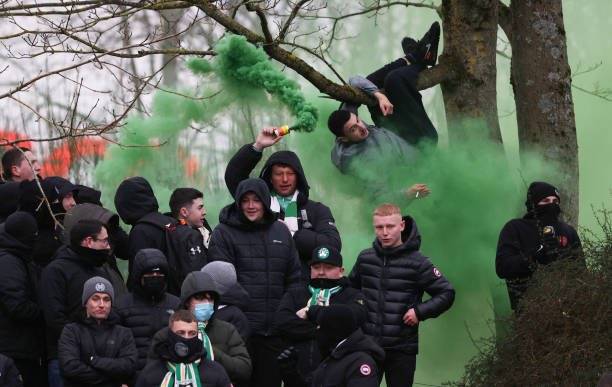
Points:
(336, 122)
(337, 320)
(22, 226)
(539, 190)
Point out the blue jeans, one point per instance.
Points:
(53, 372)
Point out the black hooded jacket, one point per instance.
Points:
(318, 229)
(353, 363)
(301, 333)
(96, 354)
(212, 373)
(393, 281)
(143, 313)
(61, 289)
(231, 306)
(20, 314)
(9, 199)
(263, 254)
(135, 202)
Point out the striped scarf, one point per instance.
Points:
(289, 207)
(321, 296)
(181, 374)
(204, 337)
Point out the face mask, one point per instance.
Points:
(154, 286)
(182, 349)
(96, 257)
(548, 213)
(324, 283)
(203, 311)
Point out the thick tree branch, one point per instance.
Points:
(287, 24)
(263, 21)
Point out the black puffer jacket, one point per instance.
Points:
(9, 199)
(300, 333)
(318, 229)
(96, 354)
(263, 254)
(231, 306)
(212, 373)
(134, 200)
(9, 374)
(353, 363)
(20, 314)
(393, 281)
(61, 289)
(141, 312)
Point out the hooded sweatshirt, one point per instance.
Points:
(316, 225)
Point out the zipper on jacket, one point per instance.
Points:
(381, 294)
(266, 258)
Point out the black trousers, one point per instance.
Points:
(263, 351)
(32, 372)
(399, 368)
(409, 119)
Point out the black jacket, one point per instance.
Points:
(228, 348)
(318, 229)
(263, 254)
(518, 242)
(212, 373)
(134, 200)
(353, 363)
(231, 306)
(143, 314)
(61, 289)
(92, 354)
(20, 314)
(300, 333)
(9, 374)
(393, 281)
(9, 199)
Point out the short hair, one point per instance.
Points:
(182, 197)
(387, 209)
(181, 315)
(336, 122)
(85, 228)
(11, 157)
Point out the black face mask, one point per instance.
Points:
(548, 213)
(95, 257)
(324, 283)
(184, 350)
(154, 286)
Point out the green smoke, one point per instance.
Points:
(240, 65)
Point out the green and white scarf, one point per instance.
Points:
(321, 296)
(289, 207)
(181, 374)
(204, 337)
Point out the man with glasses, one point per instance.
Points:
(538, 238)
(63, 279)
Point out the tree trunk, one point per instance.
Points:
(541, 79)
(470, 99)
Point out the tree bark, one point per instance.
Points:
(541, 79)
(470, 37)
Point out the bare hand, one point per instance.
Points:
(410, 318)
(386, 107)
(266, 138)
(302, 313)
(417, 191)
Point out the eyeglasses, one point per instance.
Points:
(104, 241)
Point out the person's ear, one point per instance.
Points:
(14, 170)
(183, 212)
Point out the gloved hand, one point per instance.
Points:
(548, 251)
(287, 360)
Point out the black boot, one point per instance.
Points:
(428, 46)
(410, 46)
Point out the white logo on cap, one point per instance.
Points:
(323, 253)
(100, 287)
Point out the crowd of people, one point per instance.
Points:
(260, 300)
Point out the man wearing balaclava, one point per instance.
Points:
(63, 279)
(148, 307)
(181, 359)
(538, 238)
(296, 313)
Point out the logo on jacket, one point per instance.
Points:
(365, 369)
(100, 287)
(323, 253)
(563, 241)
(437, 272)
(195, 249)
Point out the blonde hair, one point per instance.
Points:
(387, 209)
